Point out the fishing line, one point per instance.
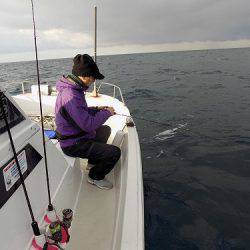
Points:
(140, 118)
(50, 206)
(3, 115)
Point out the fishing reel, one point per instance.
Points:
(130, 122)
(58, 231)
(56, 234)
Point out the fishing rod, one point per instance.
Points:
(50, 206)
(140, 118)
(3, 115)
(129, 116)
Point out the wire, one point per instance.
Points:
(50, 206)
(140, 118)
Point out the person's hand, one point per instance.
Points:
(111, 110)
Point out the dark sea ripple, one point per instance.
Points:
(196, 168)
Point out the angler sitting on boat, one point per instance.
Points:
(80, 128)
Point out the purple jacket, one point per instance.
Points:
(71, 97)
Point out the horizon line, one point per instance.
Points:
(135, 49)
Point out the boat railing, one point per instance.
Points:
(115, 90)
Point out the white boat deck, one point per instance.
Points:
(93, 226)
(95, 218)
(103, 219)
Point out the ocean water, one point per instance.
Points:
(196, 164)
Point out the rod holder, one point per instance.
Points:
(35, 228)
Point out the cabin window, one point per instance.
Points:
(13, 114)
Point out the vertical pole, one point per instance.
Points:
(95, 93)
(23, 88)
(95, 36)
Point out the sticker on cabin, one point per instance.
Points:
(10, 172)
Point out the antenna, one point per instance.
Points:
(95, 92)
(95, 34)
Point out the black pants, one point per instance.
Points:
(98, 153)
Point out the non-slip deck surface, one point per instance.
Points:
(94, 219)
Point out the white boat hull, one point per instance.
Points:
(111, 219)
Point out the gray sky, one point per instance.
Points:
(66, 27)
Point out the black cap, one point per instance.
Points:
(84, 65)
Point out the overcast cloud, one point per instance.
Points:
(65, 27)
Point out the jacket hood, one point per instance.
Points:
(65, 83)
